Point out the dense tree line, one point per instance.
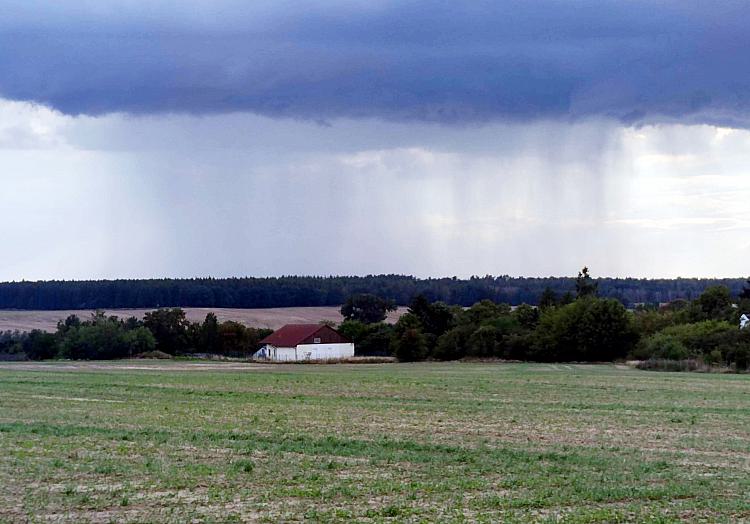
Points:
(103, 337)
(297, 291)
(704, 330)
(586, 328)
(574, 325)
(569, 327)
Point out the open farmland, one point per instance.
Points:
(273, 318)
(180, 441)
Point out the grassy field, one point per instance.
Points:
(176, 441)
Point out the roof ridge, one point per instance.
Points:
(292, 334)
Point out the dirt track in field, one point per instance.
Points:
(268, 318)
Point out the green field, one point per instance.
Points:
(175, 442)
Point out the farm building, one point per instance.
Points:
(295, 342)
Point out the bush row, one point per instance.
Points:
(579, 327)
(105, 337)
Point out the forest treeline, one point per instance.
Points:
(581, 326)
(299, 291)
(161, 333)
(577, 326)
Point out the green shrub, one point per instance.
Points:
(369, 339)
(527, 316)
(712, 341)
(714, 357)
(650, 321)
(483, 342)
(662, 346)
(452, 344)
(740, 357)
(589, 329)
(103, 338)
(242, 466)
(411, 346)
(40, 345)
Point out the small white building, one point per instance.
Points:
(744, 321)
(298, 342)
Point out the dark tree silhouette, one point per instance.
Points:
(367, 308)
(585, 285)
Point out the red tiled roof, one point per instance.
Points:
(291, 335)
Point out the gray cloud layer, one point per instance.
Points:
(444, 61)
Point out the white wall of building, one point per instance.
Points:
(324, 351)
(306, 352)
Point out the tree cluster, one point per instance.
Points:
(569, 327)
(367, 308)
(585, 329)
(564, 327)
(705, 330)
(103, 337)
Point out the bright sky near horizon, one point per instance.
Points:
(506, 137)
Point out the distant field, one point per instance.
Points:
(211, 442)
(267, 318)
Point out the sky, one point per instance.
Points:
(229, 138)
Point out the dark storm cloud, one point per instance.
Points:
(449, 62)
